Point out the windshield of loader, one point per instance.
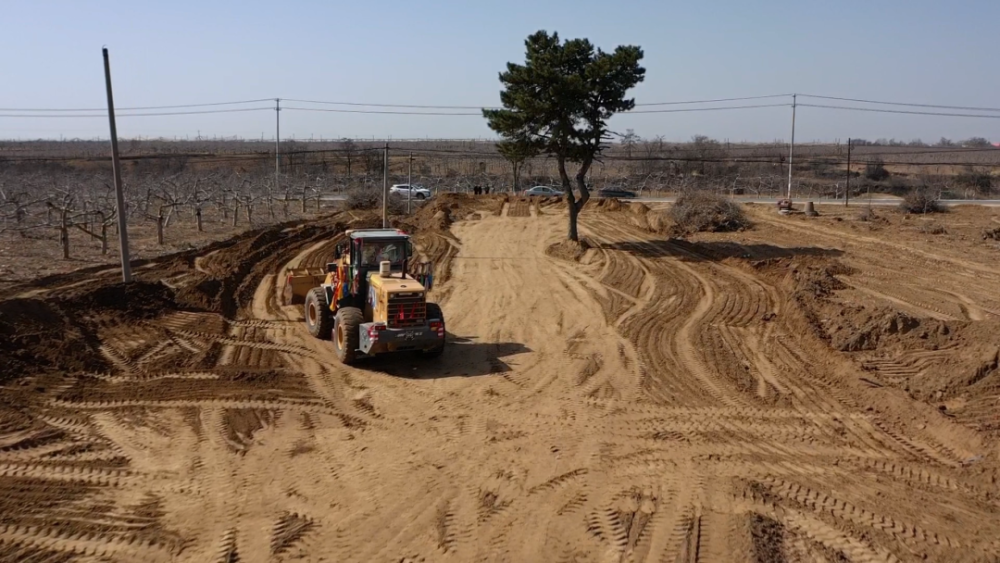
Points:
(374, 252)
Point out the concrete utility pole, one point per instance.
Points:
(847, 194)
(277, 140)
(116, 166)
(385, 187)
(791, 148)
(409, 180)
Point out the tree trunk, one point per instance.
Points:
(303, 201)
(159, 228)
(574, 212)
(197, 215)
(104, 240)
(236, 213)
(249, 209)
(64, 235)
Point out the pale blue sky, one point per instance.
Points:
(450, 52)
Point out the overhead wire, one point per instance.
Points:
(138, 108)
(858, 100)
(117, 115)
(377, 111)
(908, 112)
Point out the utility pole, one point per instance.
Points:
(791, 149)
(116, 166)
(409, 185)
(277, 140)
(385, 186)
(847, 194)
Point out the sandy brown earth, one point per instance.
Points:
(647, 399)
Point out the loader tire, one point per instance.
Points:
(434, 312)
(319, 319)
(346, 333)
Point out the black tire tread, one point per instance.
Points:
(349, 319)
(434, 312)
(324, 328)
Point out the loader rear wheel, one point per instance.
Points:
(434, 312)
(346, 333)
(319, 319)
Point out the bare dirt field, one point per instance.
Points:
(814, 389)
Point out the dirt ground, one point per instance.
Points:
(814, 389)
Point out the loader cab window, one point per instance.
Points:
(374, 252)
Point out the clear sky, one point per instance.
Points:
(450, 52)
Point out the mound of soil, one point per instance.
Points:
(967, 353)
(445, 209)
(36, 336)
(59, 334)
(568, 250)
(608, 205)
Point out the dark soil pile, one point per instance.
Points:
(38, 336)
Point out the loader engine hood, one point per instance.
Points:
(396, 284)
(399, 302)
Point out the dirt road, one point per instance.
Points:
(648, 402)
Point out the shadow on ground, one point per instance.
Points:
(463, 357)
(714, 251)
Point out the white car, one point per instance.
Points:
(413, 192)
(543, 191)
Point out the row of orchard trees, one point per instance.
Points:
(62, 200)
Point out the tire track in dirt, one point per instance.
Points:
(557, 427)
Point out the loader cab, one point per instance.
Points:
(366, 250)
(371, 247)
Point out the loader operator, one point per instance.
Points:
(374, 253)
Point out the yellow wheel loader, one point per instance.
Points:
(367, 302)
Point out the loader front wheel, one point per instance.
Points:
(347, 336)
(319, 319)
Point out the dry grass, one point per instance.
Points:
(706, 212)
(921, 202)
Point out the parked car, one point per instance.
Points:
(414, 192)
(615, 192)
(544, 191)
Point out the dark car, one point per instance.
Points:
(615, 192)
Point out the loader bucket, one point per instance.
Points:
(298, 282)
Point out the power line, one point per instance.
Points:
(379, 111)
(715, 100)
(60, 116)
(384, 105)
(908, 112)
(967, 108)
(138, 108)
(706, 109)
(416, 106)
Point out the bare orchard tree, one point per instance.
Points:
(16, 202)
(63, 203)
(349, 153)
(244, 191)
